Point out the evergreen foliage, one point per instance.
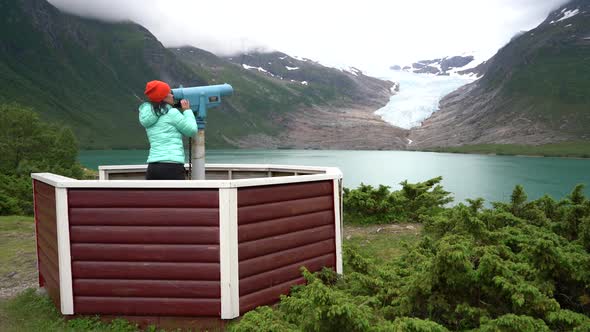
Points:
(412, 203)
(29, 145)
(518, 266)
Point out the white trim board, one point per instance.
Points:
(338, 225)
(51, 179)
(64, 256)
(217, 167)
(228, 253)
(64, 182)
(36, 218)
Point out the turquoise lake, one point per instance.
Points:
(466, 176)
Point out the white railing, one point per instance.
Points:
(217, 176)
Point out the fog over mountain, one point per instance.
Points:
(369, 35)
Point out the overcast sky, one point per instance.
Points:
(370, 34)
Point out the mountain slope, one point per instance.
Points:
(350, 83)
(306, 105)
(86, 73)
(534, 91)
(91, 74)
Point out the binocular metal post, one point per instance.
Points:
(198, 153)
(198, 156)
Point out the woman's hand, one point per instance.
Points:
(185, 104)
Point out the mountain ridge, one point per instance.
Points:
(90, 75)
(534, 90)
(463, 65)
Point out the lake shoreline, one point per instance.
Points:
(491, 154)
(566, 150)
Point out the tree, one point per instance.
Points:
(27, 144)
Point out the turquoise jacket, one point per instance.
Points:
(165, 132)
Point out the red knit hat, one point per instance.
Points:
(156, 91)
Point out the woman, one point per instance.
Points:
(165, 126)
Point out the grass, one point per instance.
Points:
(18, 262)
(565, 149)
(382, 242)
(30, 311)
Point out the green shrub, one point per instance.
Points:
(28, 145)
(514, 323)
(518, 266)
(412, 203)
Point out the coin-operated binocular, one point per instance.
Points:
(201, 98)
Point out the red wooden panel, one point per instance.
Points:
(205, 198)
(255, 213)
(46, 209)
(147, 306)
(51, 283)
(50, 254)
(44, 189)
(145, 216)
(50, 280)
(283, 192)
(46, 216)
(264, 229)
(272, 261)
(48, 229)
(267, 296)
(47, 202)
(49, 267)
(48, 199)
(48, 221)
(145, 234)
(49, 272)
(278, 276)
(46, 234)
(276, 243)
(145, 270)
(53, 293)
(147, 288)
(48, 243)
(145, 252)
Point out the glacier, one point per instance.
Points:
(418, 96)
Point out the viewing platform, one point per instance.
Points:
(170, 249)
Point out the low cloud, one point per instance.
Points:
(369, 34)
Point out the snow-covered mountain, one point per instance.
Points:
(292, 69)
(534, 91)
(463, 65)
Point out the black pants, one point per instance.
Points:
(165, 171)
